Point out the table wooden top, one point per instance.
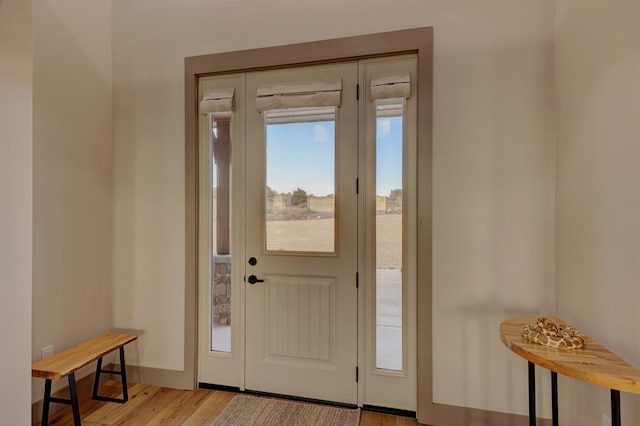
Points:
(66, 362)
(592, 363)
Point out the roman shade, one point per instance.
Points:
(217, 100)
(299, 95)
(388, 86)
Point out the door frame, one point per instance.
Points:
(418, 41)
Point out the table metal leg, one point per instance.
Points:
(615, 408)
(532, 394)
(554, 398)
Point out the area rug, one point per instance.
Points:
(251, 410)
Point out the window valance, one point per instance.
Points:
(217, 100)
(388, 86)
(299, 95)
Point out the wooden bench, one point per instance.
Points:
(592, 363)
(66, 363)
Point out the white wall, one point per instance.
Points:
(598, 239)
(494, 161)
(493, 166)
(16, 144)
(72, 175)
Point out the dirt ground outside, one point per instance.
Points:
(316, 235)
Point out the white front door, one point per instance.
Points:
(303, 189)
(301, 235)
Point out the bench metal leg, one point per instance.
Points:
(615, 408)
(46, 402)
(73, 401)
(123, 370)
(96, 379)
(123, 375)
(532, 394)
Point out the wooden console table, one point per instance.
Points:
(592, 363)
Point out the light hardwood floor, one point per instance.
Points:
(152, 405)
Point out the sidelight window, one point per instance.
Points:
(389, 234)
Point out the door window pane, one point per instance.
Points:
(300, 180)
(389, 234)
(221, 233)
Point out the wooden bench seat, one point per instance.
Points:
(67, 362)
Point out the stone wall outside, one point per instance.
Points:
(221, 283)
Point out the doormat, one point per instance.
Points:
(251, 410)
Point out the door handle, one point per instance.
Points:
(253, 279)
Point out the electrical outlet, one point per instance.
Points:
(606, 419)
(47, 351)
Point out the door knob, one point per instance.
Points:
(253, 279)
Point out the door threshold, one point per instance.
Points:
(210, 386)
(393, 411)
(234, 389)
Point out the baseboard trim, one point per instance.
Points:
(175, 379)
(449, 415)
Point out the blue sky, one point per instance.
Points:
(388, 155)
(301, 155)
